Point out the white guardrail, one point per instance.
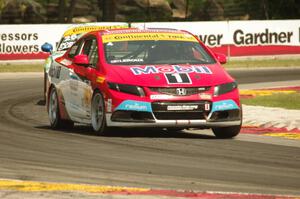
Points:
(233, 38)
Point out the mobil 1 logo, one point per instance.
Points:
(178, 78)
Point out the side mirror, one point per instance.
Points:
(81, 60)
(221, 58)
(46, 47)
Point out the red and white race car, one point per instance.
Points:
(143, 78)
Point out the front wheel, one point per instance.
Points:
(98, 114)
(53, 112)
(227, 132)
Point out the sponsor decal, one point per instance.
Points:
(170, 69)
(85, 29)
(73, 34)
(100, 79)
(148, 36)
(207, 107)
(178, 78)
(182, 107)
(224, 105)
(131, 105)
(109, 106)
(126, 60)
(137, 31)
(55, 72)
(160, 97)
(87, 97)
(205, 96)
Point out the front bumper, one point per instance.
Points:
(200, 114)
(172, 123)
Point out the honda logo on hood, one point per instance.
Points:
(180, 91)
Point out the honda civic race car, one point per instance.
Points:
(143, 78)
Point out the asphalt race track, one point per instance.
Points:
(29, 150)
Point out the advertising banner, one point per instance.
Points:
(264, 37)
(242, 38)
(21, 42)
(232, 38)
(25, 41)
(212, 34)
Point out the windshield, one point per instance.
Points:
(156, 52)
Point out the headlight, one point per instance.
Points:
(124, 88)
(224, 88)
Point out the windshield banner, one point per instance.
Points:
(147, 36)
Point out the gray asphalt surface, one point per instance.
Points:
(29, 150)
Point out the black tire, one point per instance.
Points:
(174, 129)
(45, 84)
(53, 110)
(98, 119)
(67, 124)
(227, 132)
(54, 115)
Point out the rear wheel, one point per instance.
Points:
(53, 112)
(98, 114)
(227, 132)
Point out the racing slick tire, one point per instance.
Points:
(53, 112)
(227, 132)
(98, 114)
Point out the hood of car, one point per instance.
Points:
(168, 75)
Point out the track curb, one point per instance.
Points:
(34, 186)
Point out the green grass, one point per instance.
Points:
(262, 63)
(231, 64)
(21, 68)
(287, 101)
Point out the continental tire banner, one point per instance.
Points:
(242, 38)
(233, 38)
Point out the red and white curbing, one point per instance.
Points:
(18, 188)
(277, 122)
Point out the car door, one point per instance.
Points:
(61, 75)
(81, 81)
